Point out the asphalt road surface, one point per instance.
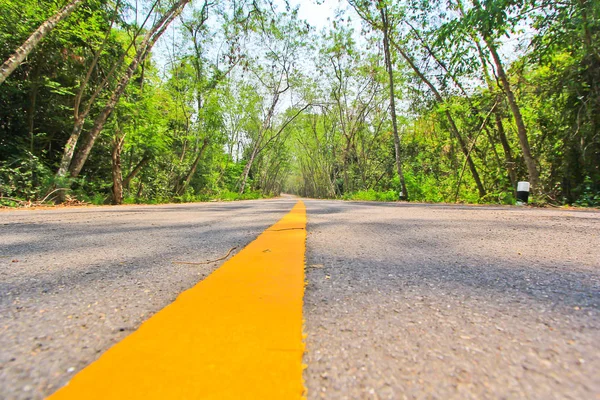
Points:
(403, 300)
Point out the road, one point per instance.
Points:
(402, 301)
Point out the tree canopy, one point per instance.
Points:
(176, 100)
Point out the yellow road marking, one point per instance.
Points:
(235, 335)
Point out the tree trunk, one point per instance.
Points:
(181, 188)
(32, 108)
(22, 52)
(69, 150)
(247, 169)
(516, 111)
(587, 32)
(79, 117)
(117, 174)
(467, 154)
(453, 127)
(514, 107)
(143, 51)
(257, 146)
(136, 170)
(346, 166)
(510, 164)
(439, 62)
(388, 65)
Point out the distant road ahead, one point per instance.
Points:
(403, 300)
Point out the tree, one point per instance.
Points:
(368, 16)
(79, 115)
(385, 25)
(283, 40)
(143, 50)
(490, 23)
(252, 101)
(23, 51)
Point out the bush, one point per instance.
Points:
(227, 195)
(372, 195)
(129, 200)
(224, 195)
(589, 197)
(24, 178)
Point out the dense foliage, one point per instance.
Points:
(164, 100)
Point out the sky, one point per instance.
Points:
(319, 14)
(316, 14)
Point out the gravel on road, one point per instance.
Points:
(403, 300)
(451, 302)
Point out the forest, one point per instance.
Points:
(154, 101)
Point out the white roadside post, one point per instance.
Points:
(522, 193)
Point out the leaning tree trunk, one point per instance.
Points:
(257, 145)
(180, 189)
(532, 170)
(510, 164)
(388, 65)
(453, 128)
(22, 52)
(247, 168)
(136, 170)
(79, 117)
(69, 150)
(150, 39)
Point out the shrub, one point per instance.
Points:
(372, 195)
(24, 178)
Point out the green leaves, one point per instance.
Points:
(235, 73)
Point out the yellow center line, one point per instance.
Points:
(235, 335)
